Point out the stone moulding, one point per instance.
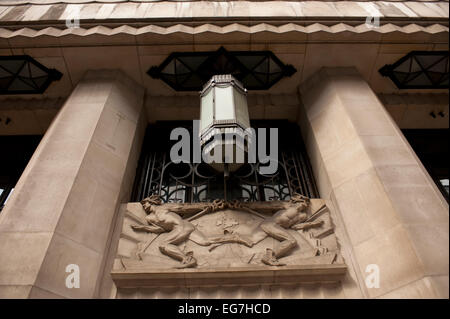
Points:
(227, 29)
(229, 276)
(227, 243)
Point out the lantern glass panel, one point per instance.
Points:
(224, 103)
(207, 110)
(241, 109)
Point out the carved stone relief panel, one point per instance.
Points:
(227, 242)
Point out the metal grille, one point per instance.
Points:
(419, 70)
(21, 74)
(189, 71)
(185, 182)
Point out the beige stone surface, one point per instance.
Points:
(352, 286)
(440, 285)
(64, 251)
(337, 166)
(414, 110)
(106, 287)
(80, 59)
(65, 203)
(390, 209)
(355, 217)
(419, 289)
(14, 291)
(392, 251)
(378, 145)
(38, 293)
(22, 255)
(360, 56)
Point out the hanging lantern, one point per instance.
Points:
(223, 121)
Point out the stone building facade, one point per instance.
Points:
(74, 201)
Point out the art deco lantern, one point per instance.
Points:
(223, 121)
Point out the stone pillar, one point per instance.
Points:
(391, 210)
(65, 203)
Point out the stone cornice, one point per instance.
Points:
(222, 30)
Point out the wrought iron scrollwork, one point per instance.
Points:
(198, 182)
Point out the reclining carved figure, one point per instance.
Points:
(293, 216)
(160, 219)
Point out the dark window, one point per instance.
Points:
(199, 182)
(444, 184)
(21, 74)
(189, 71)
(431, 146)
(16, 152)
(5, 193)
(419, 70)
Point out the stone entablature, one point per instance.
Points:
(227, 243)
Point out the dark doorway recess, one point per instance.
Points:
(190, 182)
(431, 146)
(16, 152)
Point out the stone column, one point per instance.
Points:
(391, 210)
(65, 203)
